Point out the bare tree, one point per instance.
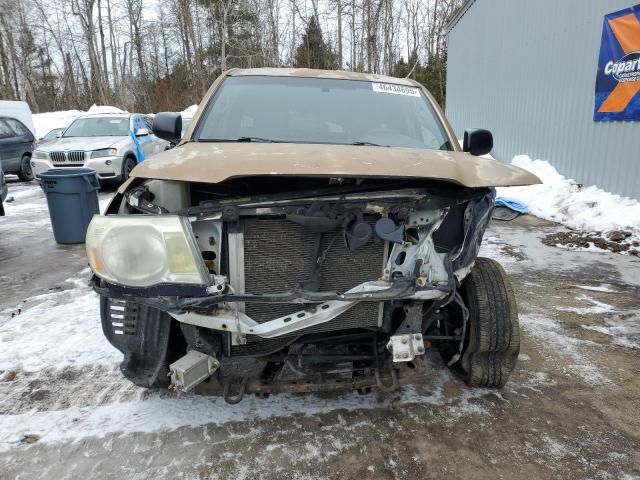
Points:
(143, 54)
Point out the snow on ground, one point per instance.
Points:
(594, 307)
(30, 199)
(168, 411)
(60, 329)
(588, 209)
(27, 202)
(604, 288)
(624, 330)
(494, 247)
(550, 334)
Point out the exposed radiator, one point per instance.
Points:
(279, 255)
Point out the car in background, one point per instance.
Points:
(18, 110)
(16, 146)
(110, 144)
(52, 135)
(3, 192)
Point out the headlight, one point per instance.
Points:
(105, 152)
(39, 154)
(141, 250)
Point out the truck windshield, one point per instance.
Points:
(98, 127)
(316, 110)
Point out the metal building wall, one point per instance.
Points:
(526, 69)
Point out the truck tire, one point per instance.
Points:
(25, 174)
(492, 338)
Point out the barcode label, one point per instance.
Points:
(396, 89)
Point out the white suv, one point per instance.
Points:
(110, 144)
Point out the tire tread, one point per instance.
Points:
(494, 342)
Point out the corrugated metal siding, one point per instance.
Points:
(526, 71)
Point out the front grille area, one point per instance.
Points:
(76, 157)
(57, 157)
(279, 255)
(67, 158)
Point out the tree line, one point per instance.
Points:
(154, 55)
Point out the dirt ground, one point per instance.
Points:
(571, 410)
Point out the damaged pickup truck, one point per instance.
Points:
(313, 230)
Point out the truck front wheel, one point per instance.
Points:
(491, 341)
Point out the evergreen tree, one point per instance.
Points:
(401, 68)
(433, 75)
(313, 51)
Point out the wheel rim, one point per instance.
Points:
(27, 171)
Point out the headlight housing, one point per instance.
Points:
(39, 155)
(104, 152)
(142, 250)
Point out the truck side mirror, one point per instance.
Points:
(168, 126)
(477, 141)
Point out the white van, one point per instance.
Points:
(17, 139)
(18, 110)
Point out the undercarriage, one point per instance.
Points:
(314, 284)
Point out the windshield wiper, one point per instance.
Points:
(368, 144)
(240, 139)
(255, 139)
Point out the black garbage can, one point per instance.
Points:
(72, 196)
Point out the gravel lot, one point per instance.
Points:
(571, 409)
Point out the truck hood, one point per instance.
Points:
(217, 162)
(83, 143)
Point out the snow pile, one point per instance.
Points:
(588, 209)
(105, 109)
(189, 112)
(45, 122)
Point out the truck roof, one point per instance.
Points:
(312, 73)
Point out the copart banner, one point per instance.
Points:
(618, 80)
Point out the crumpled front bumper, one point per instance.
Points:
(414, 270)
(221, 311)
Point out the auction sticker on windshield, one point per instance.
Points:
(396, 89)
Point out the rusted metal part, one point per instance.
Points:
(404, 376)
(233, 399)
(412, 322)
